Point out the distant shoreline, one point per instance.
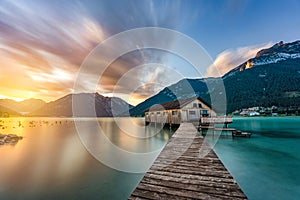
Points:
(72, 118)
(261, 116)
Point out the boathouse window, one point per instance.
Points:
(194, 105)
(204, 113)
(174, 112)
(192, 112)
(199, 105)
(158, 113)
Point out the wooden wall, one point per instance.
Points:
(191, 112)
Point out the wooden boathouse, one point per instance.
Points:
(193, 109)
(187, 168)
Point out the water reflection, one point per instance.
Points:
(109, 142)
(51, 162)
(152, 137)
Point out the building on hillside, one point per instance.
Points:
(253, 113)
(187, 110)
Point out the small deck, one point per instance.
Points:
(216, 120)
(176, 120)
(233, 132)
(182, 171)
(215, 128)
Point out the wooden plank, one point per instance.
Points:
(193, 176)
(180, 172)
(174, 169)
(146, 194)
(210, 183)
(210, 189)
(173, 191)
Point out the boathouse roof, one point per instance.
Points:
(177, 104)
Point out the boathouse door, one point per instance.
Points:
(184, 116)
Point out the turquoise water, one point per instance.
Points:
(266, 166)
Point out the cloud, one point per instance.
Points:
(66, 31)
(138, 74)
(231, 58)
(42, 45)
(143, 81)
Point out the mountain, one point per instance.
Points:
(279, 53)
(183, 89)
(25, 106)
(6, 112)
(272, 77)
(81, 105)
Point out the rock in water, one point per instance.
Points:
(9, 139)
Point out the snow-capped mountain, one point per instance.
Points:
(279, 52)
(272, 77)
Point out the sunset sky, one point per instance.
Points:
(43, 43)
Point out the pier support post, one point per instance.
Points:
(226, 125)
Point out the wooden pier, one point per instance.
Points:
(187, 168)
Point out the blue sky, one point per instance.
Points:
(215, 24)
(43, 43)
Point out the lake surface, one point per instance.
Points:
(266, 166)
(51, 162)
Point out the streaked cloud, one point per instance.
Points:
(231, 58)
(134, 76)
(42, 45)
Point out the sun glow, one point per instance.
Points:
(11, 97)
